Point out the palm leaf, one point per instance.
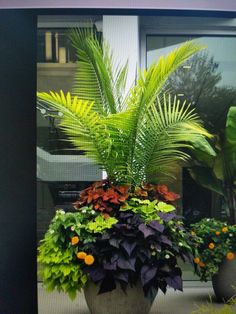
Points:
(81, 124)
(149, 85)
(170, 129)
(95, 78)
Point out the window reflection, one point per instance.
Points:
(208, 82)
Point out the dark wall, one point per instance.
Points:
(18, 294)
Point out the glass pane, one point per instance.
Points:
(62, 171)
(208, 82)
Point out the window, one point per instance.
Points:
(61, 171)
(207, 81)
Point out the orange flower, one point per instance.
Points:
(196, 260)
(230, 256)
(81, 255)
(225, 229)
(89, 259)
(201, 264)
(217, 233)
(211, 245)
(74, 240)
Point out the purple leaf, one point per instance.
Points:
(156, 226)
(175, 282)
(166, 217)
(147, 231)
(114, 258)
(122, 276)
(110, 266)
(97, 274)
(108, 284)
(165, 240)
(126, 215)
(114, 242)
(147, 273)
(128, 246)
(124, 263)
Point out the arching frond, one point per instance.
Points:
(81, 124)
(96, 79)
(149, 85)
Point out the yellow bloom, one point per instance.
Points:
(211, 245)
(89, 260)
(81, 255)
(74, 240)
(193, 233)
(230, 256)
(225, 229)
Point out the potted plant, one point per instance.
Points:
(124, 231)
(215, 252)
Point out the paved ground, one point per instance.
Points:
(173, 302)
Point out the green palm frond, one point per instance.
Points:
(138, 138)
(96, 79)
(171, 131)
(81, 124)
(143, 95)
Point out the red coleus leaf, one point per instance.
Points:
(166, 194)
(123, 189)
(162, 189)
(171, 196)
(111, 196)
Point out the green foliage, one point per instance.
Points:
(97, 78)
(100, 224)
(214, 242)
(210, 308)
(218, 173)
(59, 267)
(140, 137)
(147, 209)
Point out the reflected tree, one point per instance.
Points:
(199, 81)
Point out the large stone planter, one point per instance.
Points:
(224, 282)
(116, 301)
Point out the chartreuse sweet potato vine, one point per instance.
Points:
(67, 235)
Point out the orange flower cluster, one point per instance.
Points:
(103, 196)
(199, 262)
(88, 259)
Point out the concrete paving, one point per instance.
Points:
(194, 295)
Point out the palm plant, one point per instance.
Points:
(137, 137)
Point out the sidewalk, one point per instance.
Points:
(174, 302)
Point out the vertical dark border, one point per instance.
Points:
(18, 280)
